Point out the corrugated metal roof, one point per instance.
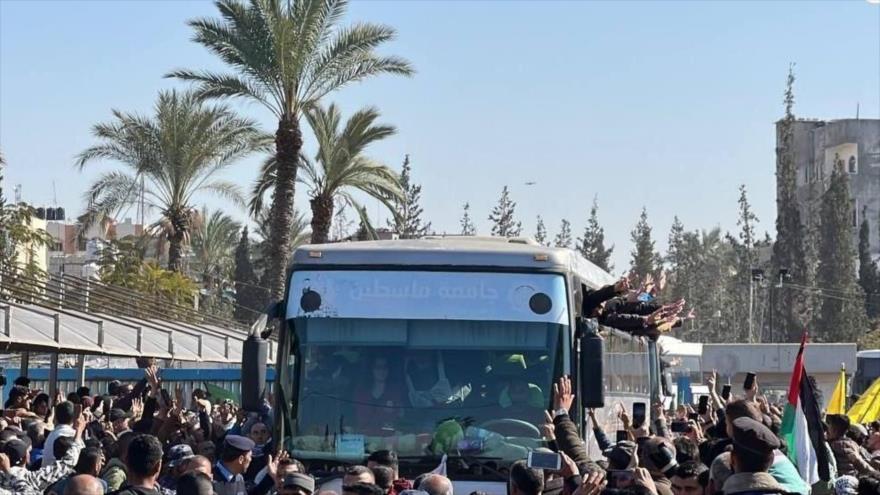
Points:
(27, 327)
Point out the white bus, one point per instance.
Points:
(438, 346)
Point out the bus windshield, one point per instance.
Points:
(422, 387)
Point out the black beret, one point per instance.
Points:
(622, 455)
(753, 436)
(116, 414)
(236, 442)
(299, 480)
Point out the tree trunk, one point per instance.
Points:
(322, 217)
(288, 143)
(175, 243)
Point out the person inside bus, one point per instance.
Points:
(518, 398)
(426, 381)
(328, 377)
(379, 399)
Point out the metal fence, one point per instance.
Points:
(97, 379)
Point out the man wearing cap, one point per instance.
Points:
(783, 470)
(296, 484)
(178, 463)
(235, 457)
(657, 455)
(119, 419)
(753, 450)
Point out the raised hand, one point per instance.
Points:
(178, 395)
(79, 422)
(621, 285)
(592, 484)
(273, 462)
(642, 477)
(548, 429)
(563, 397)
(569, 467)
(658, 410)
(656, 318)
(137, 408)
(624, 418)
(712, 380)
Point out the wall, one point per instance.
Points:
(41, 253)
(815, 145)
(773, 363)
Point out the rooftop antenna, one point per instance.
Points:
(857, 110)
(17, 190)
(54, 195)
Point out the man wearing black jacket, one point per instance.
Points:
(594, 298)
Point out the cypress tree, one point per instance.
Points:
(869, 274)
(467, 225)
(592, 244)
(502, 217)
(788, 251)
(644, 258)
(407, 220)
(563, 238)
(842, 318)
(744, 259)
(541, 232)
(247, 295)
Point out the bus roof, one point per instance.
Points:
(453, 252)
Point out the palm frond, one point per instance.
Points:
(365, 222)
(226, 190)
(176, 153)
(348, 47)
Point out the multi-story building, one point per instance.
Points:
(852, 143)
(75, 252)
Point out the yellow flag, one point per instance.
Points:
(837, 405)
(867, 408)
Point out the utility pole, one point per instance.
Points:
(757, 276)
(781, 276)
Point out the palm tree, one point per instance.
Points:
(171, 156)
(341, 167)
(213, 245)
(287, 55)
(299, 228)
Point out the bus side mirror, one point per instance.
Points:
(254, 354)
(592, 362)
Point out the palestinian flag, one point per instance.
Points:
(802, 425)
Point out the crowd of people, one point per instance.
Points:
(140, 440)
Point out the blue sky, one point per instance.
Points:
(664, 104)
